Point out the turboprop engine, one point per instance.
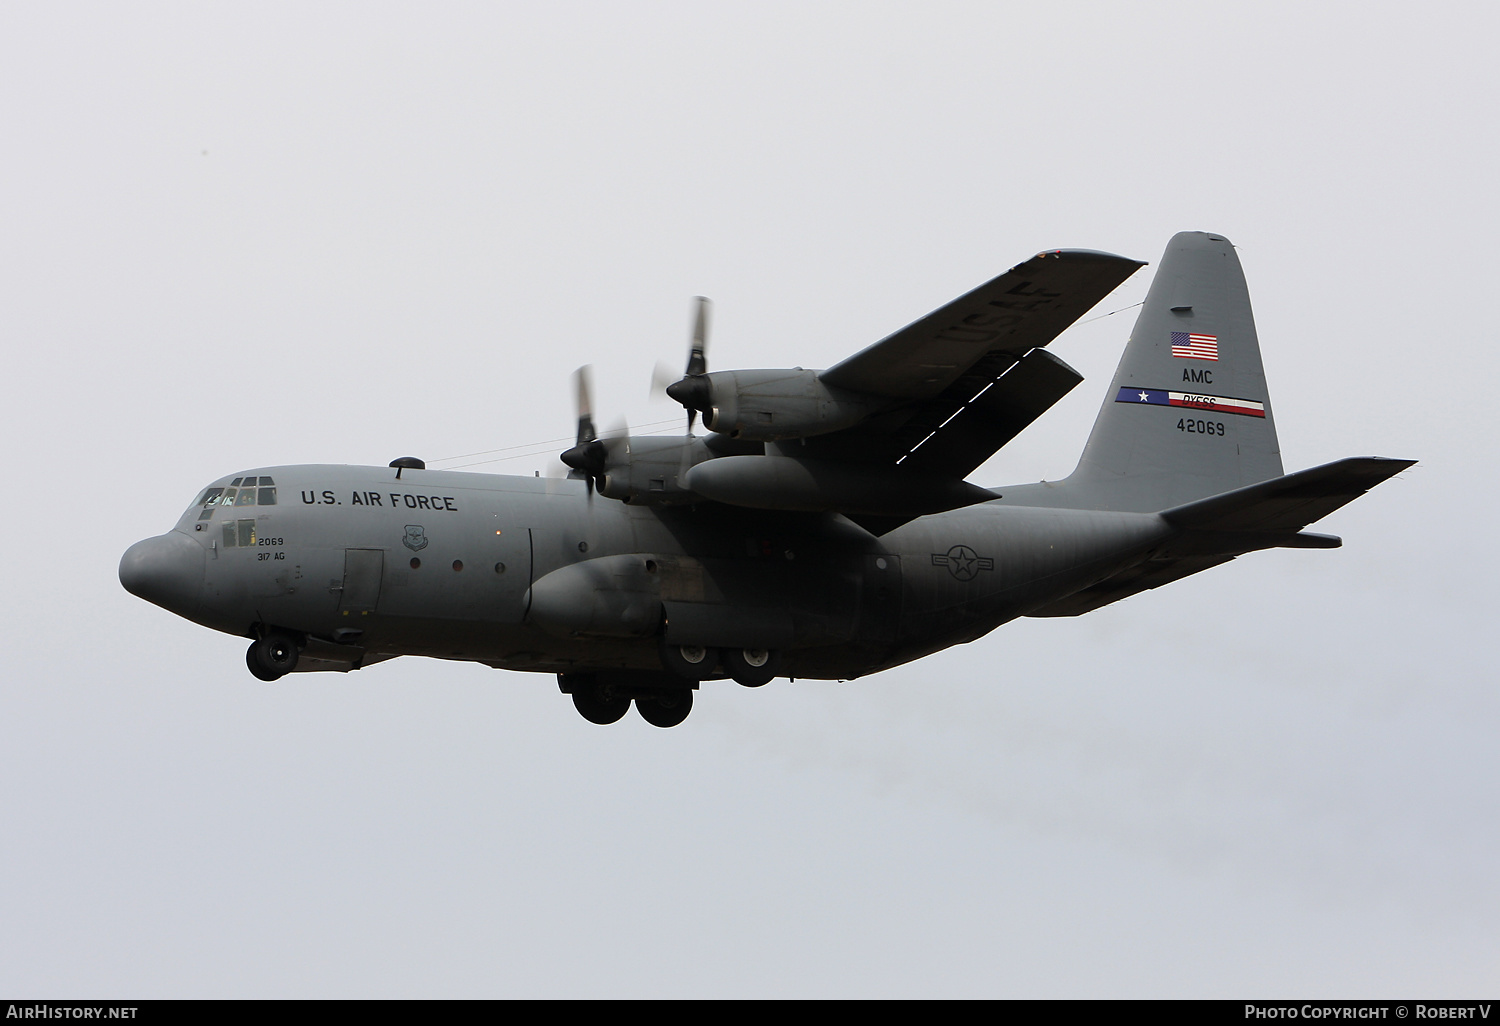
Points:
(771, 405)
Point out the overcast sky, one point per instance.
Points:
(238, 235)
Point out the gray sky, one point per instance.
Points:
(236, 236)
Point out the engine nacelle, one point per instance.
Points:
(775, 405)
(646, 470)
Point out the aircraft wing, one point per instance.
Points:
(973, 374)
(1026, 307)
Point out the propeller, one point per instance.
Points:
(692, 390)
(589, 456)
(663, 375)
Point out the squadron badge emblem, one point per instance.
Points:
(416, 537)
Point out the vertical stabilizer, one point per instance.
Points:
(1187, 415)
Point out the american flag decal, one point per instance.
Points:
(1193, 346)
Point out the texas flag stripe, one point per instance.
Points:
(1192, 400)
(1193, 346)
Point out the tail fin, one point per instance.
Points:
(1188, 414)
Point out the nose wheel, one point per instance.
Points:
(273, 656)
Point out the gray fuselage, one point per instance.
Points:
(540, 574)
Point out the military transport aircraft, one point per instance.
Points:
(822, 528)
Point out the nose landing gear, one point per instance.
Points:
(273, 656)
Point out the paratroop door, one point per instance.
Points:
(362, 570)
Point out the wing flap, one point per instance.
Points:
(1002, 409)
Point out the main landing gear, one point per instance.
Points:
(751, 667)
(273, 655)
(666, 708)
(661, 700)
(595, 702)
(664, 699)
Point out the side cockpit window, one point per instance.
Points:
(242, 491)
(239, 533)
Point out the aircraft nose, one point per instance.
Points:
(167, 570)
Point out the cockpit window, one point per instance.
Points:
(257, 490)
(207, 500)
(253, 490)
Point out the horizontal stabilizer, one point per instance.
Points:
(1217, 529)
(1289, 503)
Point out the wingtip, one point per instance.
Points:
(1087, 254)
